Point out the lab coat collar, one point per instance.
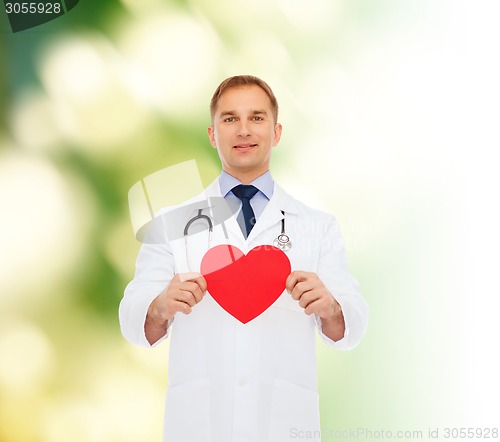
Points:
(280, 201)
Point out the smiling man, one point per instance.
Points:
(244, 130)
(256, 380)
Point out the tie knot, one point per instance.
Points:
(245, 191)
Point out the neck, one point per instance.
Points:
(246, 177)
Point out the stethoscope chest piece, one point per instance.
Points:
(283, 242)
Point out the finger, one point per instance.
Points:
(198, 278)
(188, 276)
(295, 277)
(202, 283)
(301, 288)
(187, 297)
(292, 280)
(308, 298)
(183, 307)
(314, 306)
(324, 305)
(193, 288)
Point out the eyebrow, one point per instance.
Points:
(226, 113)
(232, 112)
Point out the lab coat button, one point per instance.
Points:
(242, 382)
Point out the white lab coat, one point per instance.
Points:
(254, 382)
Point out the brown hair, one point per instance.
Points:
(241, 81)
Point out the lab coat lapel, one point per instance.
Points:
(231, 223)
(271, 215)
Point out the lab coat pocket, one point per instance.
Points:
(294, 412)
(187, 412)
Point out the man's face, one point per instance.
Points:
(244, 132)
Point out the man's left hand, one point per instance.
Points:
(313, 296)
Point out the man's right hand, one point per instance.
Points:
(183, 292)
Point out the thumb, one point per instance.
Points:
(188, 276)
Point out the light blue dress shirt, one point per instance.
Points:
(264, 183)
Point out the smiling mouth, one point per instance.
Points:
(244, 146)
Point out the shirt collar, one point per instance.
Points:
(264, 183)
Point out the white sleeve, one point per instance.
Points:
(154, 271)
(334, 273)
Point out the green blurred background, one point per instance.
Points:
(389, 111)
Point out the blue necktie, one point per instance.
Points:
(245, 193)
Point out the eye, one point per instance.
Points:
(229, 120)
(257, 118)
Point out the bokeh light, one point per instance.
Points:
(170, 48)
(41, 231)
(84, 76)
(30, 359)
(34, 122)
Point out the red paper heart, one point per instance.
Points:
(245, 285)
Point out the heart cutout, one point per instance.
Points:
(245, 286)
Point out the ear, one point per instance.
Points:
(278, 129)
(211, 136)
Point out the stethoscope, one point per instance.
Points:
(282, 241)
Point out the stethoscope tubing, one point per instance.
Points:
(282, 241)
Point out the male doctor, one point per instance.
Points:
(256, 381)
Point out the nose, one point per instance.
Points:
(243, 129)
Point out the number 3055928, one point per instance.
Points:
(33, 8)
